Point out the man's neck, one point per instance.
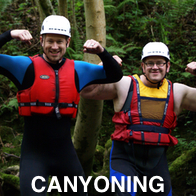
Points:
(147, 83)
(56, 65)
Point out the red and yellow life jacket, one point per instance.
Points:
(52, 91)
(149, 118)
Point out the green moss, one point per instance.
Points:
(103, 168)
(11, 179)
(183, 172)
(98, 158)
(183, 159)
(108, 144)
(99, 148)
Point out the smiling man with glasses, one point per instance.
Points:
(146, 108)
(155, 63)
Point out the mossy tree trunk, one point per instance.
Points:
(183, 173)
(62, 7)
(45, 8)
(76, 41)
(90, 111)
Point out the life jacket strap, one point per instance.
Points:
(148, 128)
(37, 103)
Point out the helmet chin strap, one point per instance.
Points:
(158, 83)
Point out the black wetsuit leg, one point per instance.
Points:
(138, 161)
(47, 150)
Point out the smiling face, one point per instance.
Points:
(54, 47)
(155, 68)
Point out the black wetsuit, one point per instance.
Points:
(47, 148)
(136, 161)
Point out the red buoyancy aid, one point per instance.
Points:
(142, 122)
(52, 91)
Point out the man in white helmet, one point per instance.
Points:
(55, 28)
(156, 49)
(146, 108)
(48, 95)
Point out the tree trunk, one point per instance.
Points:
(62, 7)
(75, 43)
(90, 111)
(45, 8)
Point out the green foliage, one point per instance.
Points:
(11, 105)
(185, 133)
(78, 35)
(183, 145)
(72, 54)
(14, 146)
(10, 151)
(130, 24)
(191, 180)
(4, 4)
(8, 101)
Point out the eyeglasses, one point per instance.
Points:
(158, 64)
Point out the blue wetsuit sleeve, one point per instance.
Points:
(95, 74)
(15, 65)
(88, 73)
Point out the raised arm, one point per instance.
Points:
(116, 91)
(93, 47)
(22, 35)
(191, 68)
(101, 91)
(185, 96)
(15, 67)
(4, 38)
(110, 65)
(19, 34)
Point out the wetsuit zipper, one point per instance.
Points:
(57, 95)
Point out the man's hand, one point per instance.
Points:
(191, 68)
(22, 35)
(93, 47)
(118, 59)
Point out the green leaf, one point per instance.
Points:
(13, 103)
(186, 74)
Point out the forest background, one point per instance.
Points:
(130, 24)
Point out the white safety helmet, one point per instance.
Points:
(56, 24)
(155, 49)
